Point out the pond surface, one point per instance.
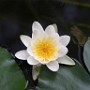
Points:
(71, 16)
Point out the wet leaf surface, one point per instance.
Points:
(67, 78)
(11, 77)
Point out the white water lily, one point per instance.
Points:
(45, 47)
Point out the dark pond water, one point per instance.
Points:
(72, 18)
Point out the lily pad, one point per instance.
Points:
(86, 54)
(11, 77)
(67, 78)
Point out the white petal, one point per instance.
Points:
(50, 30)
(54, 66)
(55, 57)
(37, 30)
(32, 61)
(26, 40)
(29, 50)
(65, 39)
(56, 37)
(63, 51)
(22, 54)
(43, 61)
(37, 34)
(37, 26)
(66, 60)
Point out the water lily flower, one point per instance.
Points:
(45, 47)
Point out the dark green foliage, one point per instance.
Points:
(11, 77)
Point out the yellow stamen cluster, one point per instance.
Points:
(45, 48)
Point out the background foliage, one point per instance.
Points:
(71, 16)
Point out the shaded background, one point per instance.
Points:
(17, 16)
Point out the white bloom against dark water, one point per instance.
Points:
(45, 47)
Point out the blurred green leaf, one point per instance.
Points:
(86, 54)
(11, 77)
(67, 78)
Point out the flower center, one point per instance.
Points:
(45, 48)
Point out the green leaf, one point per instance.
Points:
(86, 54)
(11, 77)
(67, 78)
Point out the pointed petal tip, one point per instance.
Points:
(53, 66)
(16, 55)
(32, 61)
(36, 26)
(50, 29)
(65, 39)
(66, 60)
(21, 55)
(35, 22)
(73, 63)
(26, 40)
(21, 36)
